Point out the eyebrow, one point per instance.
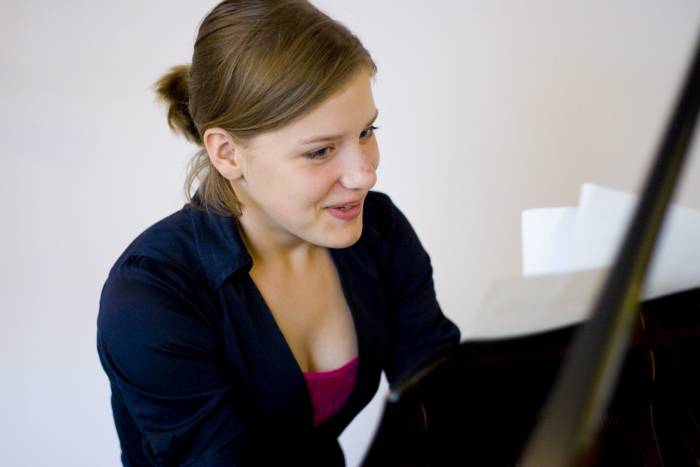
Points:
(319, 139)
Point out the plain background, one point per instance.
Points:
(487, 107)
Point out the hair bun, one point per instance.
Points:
(173, 89)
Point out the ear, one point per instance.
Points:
(225, 155)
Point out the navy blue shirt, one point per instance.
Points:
(201, 374)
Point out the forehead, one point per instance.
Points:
(343, 113)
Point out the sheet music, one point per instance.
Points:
(547, 236)
(566, 255)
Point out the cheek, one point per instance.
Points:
(317, 182)
(271, 185)
(300, 188)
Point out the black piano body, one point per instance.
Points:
(477, 404)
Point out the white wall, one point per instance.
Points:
(486, 108)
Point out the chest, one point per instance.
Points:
(312, 314)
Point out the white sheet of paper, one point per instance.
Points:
(566, 255)
(547, 236)
(601, 222)
(602, 215)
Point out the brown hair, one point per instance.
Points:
(256, 66)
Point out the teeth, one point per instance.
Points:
(344, 208)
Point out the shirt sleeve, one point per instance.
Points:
(164, 356)
(418, 327)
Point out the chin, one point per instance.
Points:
(344, 239)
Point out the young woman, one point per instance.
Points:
(252, 325)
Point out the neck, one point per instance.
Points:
(269, 246)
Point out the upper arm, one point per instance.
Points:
(418, 327)
(162, 352)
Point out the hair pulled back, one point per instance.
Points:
(257, 65)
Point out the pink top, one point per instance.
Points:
(329, 390)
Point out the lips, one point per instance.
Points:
(345, 211)
(345, 205)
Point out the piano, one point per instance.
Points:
(620, 389)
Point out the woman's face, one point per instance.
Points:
(307, 181)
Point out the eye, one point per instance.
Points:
(319, 153)
(368, 132)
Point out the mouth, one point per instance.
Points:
(345, 211)
(345, 205)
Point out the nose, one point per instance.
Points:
(360, 171)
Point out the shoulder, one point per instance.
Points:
(380, 215)
(157, 275)
(170, 242)
(155, 288)
(384, 221)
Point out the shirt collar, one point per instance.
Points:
(219, 244)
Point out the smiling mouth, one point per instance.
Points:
(346, 206)
(346, 212)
